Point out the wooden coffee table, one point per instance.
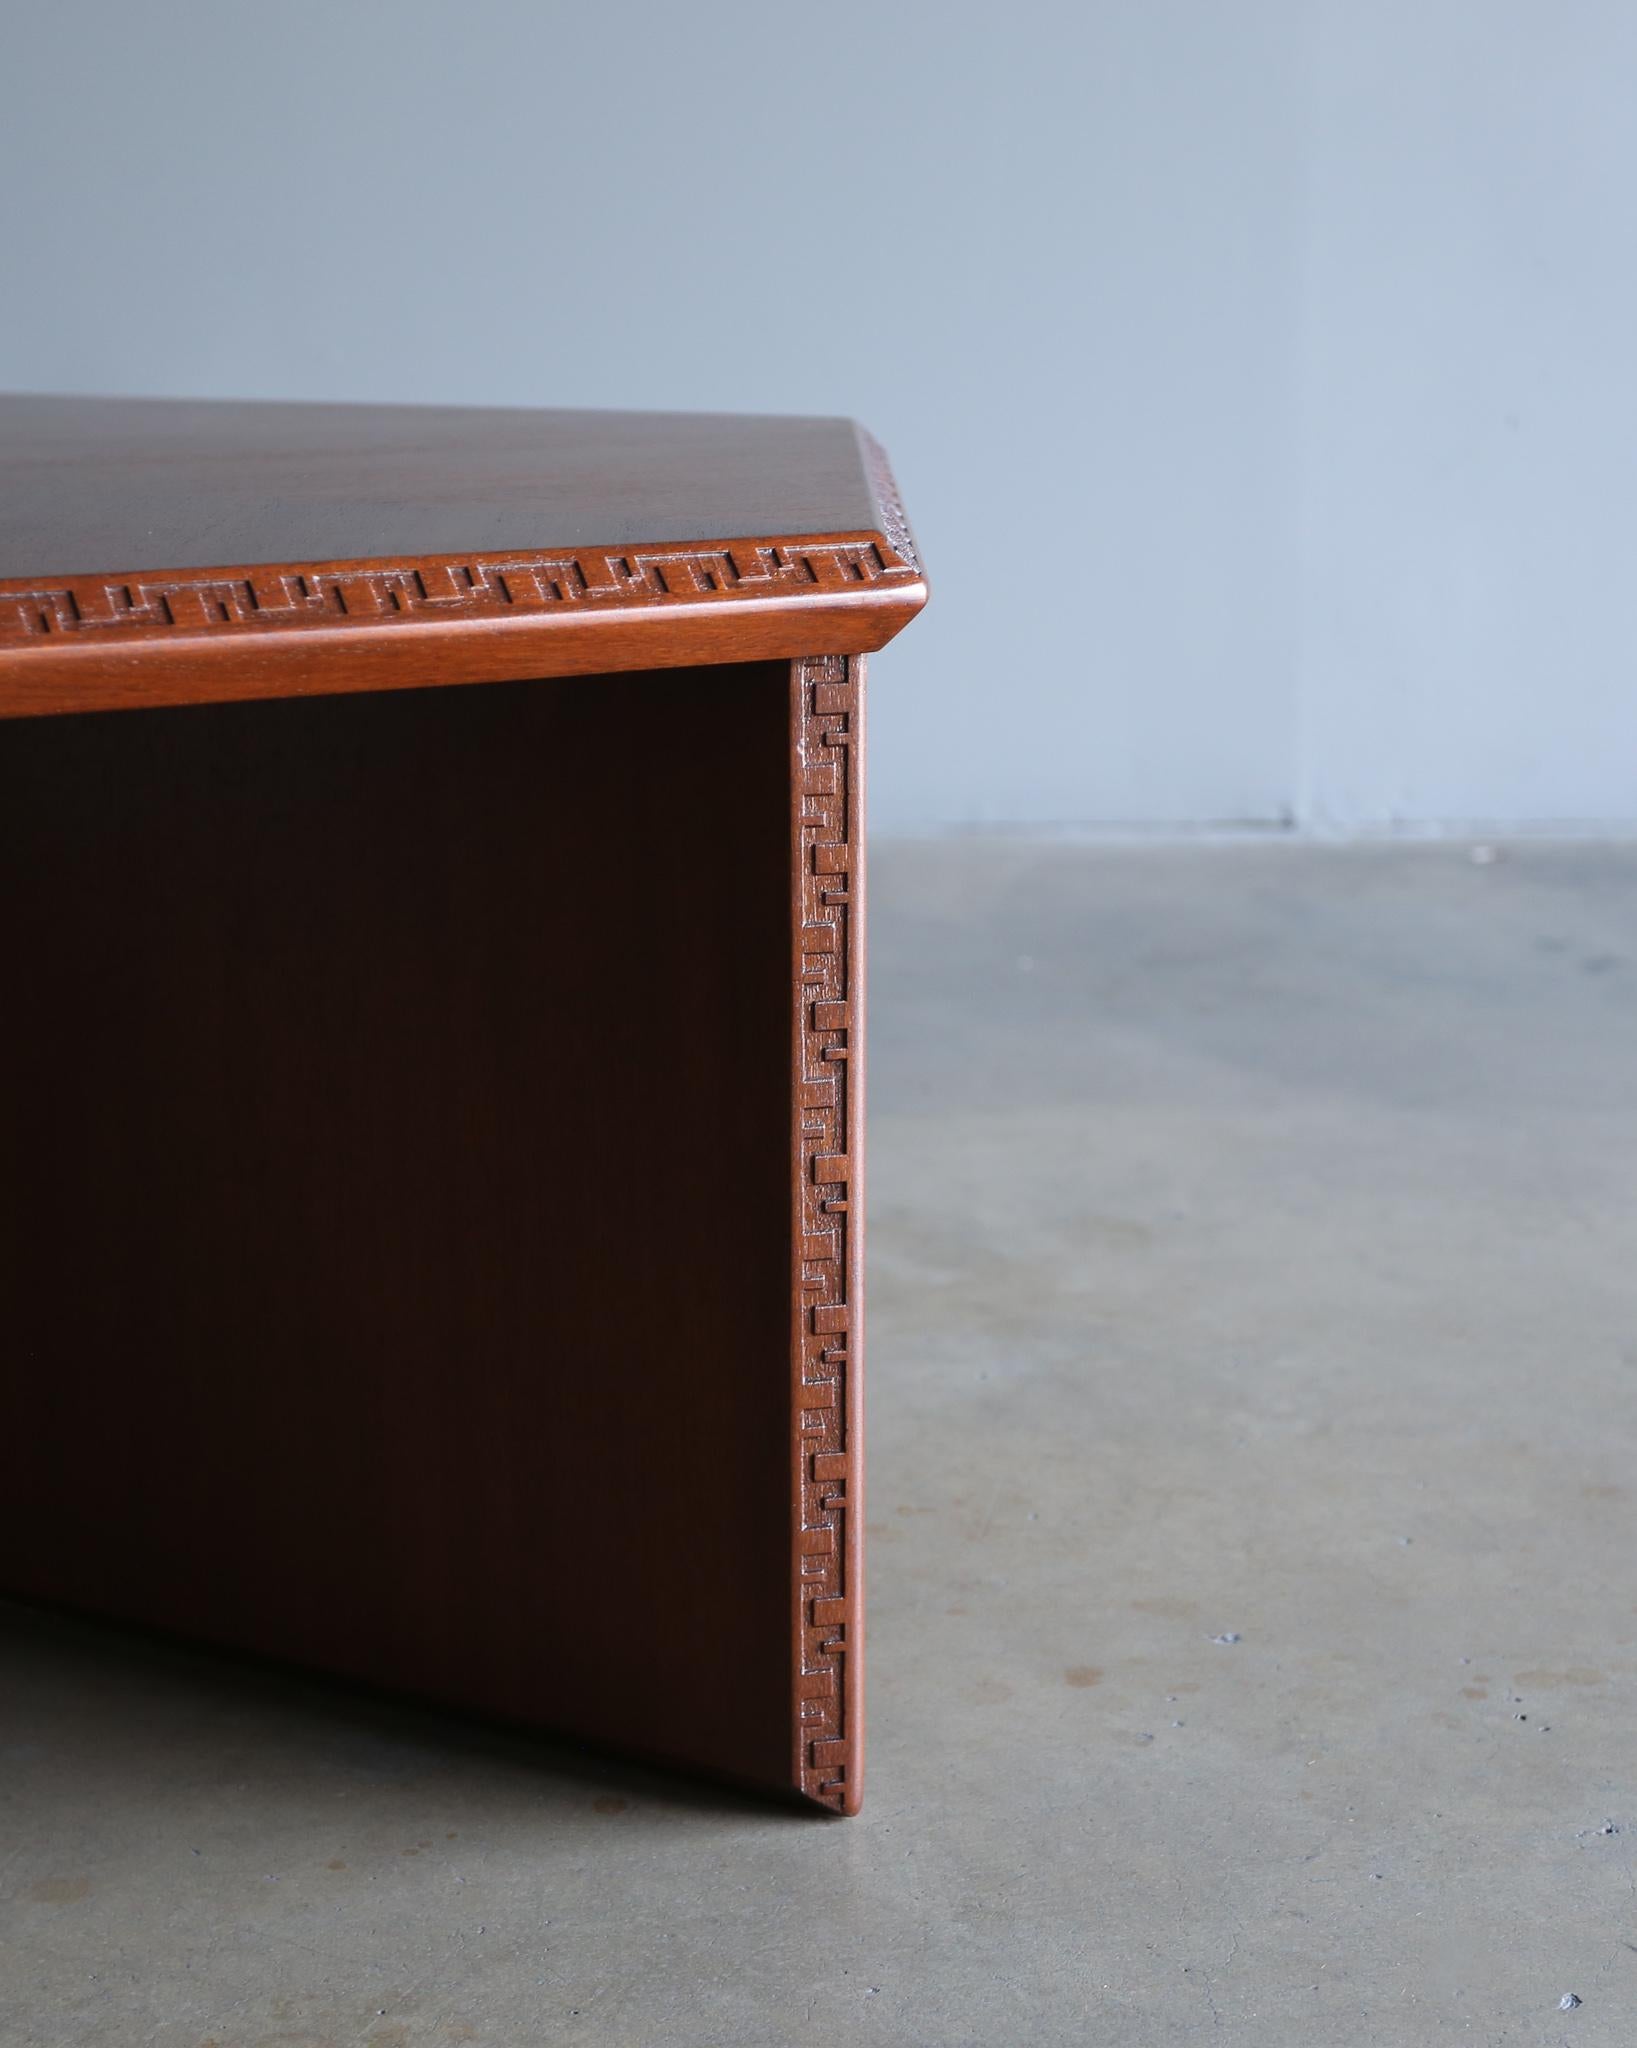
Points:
(431, 1165)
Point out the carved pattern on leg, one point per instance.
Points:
(827, 711)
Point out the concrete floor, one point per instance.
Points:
(1254, 1616)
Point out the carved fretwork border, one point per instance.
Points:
(470, 587)
(827, 713)
(894, 522)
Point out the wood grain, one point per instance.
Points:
(394, 1192)
(181, 484)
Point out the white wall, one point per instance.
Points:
(1260, 376)
(1469, 415)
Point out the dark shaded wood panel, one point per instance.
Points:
(394, 1191)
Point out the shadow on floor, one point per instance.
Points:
(107, 1681)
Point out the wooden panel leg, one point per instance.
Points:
(339, 1219)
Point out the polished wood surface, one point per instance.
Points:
(129, 484)
(394, 1192)
(155, 552)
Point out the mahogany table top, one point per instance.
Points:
(167, 551)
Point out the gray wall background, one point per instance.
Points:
(1262, 377)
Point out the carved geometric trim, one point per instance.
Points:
(468, 587)
(894, 519)
(827, 853)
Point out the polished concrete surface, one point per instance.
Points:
(1254, 1571)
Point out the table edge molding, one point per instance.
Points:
(88, 642)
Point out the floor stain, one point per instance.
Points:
(1083, 1675)
(60, 1891)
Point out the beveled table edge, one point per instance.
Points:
(125, 639)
